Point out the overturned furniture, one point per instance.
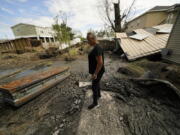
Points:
(21, 91)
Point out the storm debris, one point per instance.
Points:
(150, 109)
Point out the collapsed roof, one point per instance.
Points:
(144, 43)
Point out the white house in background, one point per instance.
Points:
(22, 30)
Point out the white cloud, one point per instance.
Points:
(84, 13)
(5, 31)
(7, 10)
(39, 21)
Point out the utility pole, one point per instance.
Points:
(117, 15)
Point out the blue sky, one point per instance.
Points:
(84, 13)
(13, 11)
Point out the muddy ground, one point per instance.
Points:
(142, 110)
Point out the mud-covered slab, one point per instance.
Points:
(18, 73)
(31, 79)
(23, 90)
(103, 120)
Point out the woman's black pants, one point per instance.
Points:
(96, 88)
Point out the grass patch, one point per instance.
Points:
(150, 65)
(71, 55)
(135, 69)
(73, 52)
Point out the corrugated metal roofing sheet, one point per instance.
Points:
(152, 44)
(139, 36)
(142, 31)
(121, 35)
(164, 28)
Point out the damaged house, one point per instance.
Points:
(141, 42)
(22, 30)
(147, 41)
(155, 16)
(28, 36)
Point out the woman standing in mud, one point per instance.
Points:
(96, 67)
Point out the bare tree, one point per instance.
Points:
(121, 16)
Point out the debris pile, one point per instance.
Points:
(48, 53)
(145, 109)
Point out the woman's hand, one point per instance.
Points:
(94, 77)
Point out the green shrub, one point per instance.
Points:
(71, 55)
(73, 52)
